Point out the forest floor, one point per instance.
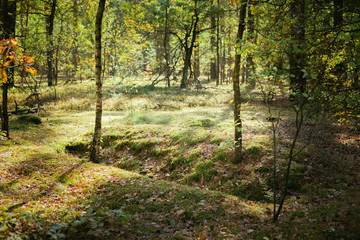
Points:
(166, 170)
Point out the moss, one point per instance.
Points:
(260, 235)
(128, 164)
(140, 145)
(194, 154)
(255, 151)
(181, 136)
(163, 120)
(30, 119)
(220, 154)
(157, 152)
(262, 169)
(296, 176)
(250, 190)
(120, 144)
(109, 138)
(216, 140)
(207, 123)
(77, 147)
(203, 169)
(25, 121)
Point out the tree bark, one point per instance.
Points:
(8, 20)
(249, 72)
(213, 46)
(167, 46)
(76, 36)
(238, 156)
(189, 49)
(297, 56)
(338, 13)
(196, 62)
(94, 154)
(49, 19)
(229, 60)
(218, 44)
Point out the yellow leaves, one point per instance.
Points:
(9, 58)
(13, 42)
(27, 60)
(4, 75)
(31, 70)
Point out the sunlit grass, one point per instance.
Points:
(177, 144)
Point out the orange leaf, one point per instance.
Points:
(14, 42)
(31, 70)
(29, 60)
(4, 76)
(203, 236)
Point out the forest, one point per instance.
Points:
(180, 119)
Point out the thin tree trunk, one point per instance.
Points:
(94, 154)
(298, 124)
(218, 44)
(189, 50)
(76, 36)
(223, 57)
(297, 56)
(229, 60)
(238, 156)
(50, 42)
(338, 13)
(249, 72)
(213, 46)
(167, 46)
(196, 62)
(8, 15)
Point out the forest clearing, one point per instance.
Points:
(166, 173)
(180, 119)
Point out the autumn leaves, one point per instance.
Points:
(10, 59)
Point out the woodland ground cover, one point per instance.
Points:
(165, 170)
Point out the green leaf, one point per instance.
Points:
(352, 64)
(76, 223)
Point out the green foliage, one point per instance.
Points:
(221, 154)
(203, 170)
(206, 123)
(77, 147)
(128, 164)
(253, 190)
(255, 151)
(141, 145)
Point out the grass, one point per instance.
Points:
(166, 171)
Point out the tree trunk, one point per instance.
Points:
(249, 72)
(297, 56)
(49, 19)
(238, 156)
(189, 49)
(338, 13)
(229, 60)
(196, 62)
(167, 47)
(76, 36)
(94, 154)
(218, 44)
(8, 20)
(213, 46)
